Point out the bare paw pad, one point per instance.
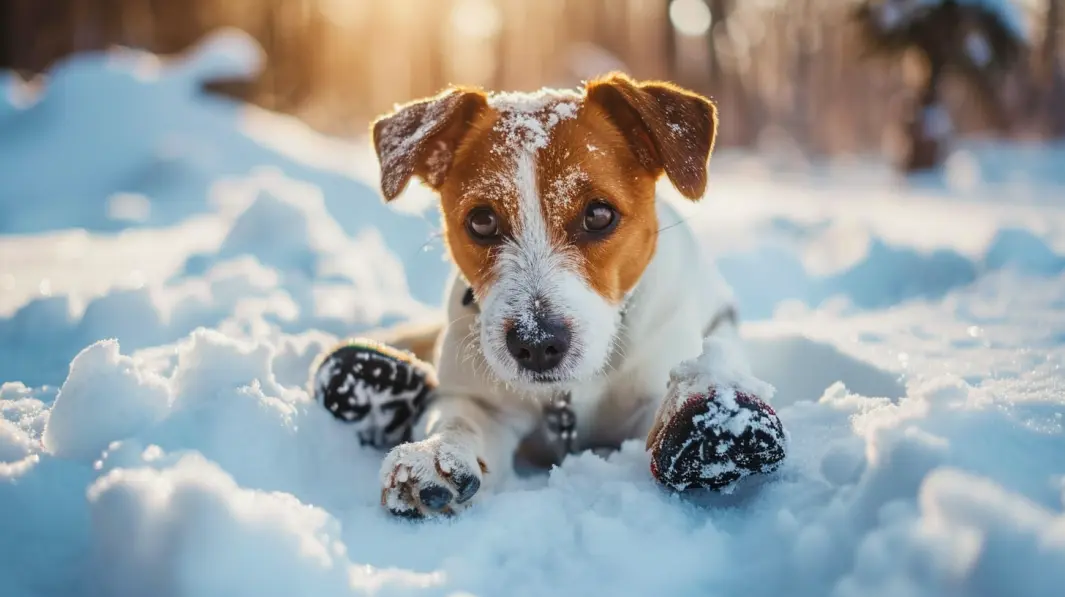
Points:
(429, 478)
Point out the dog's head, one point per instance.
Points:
(548, 203)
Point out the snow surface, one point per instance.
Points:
(156, 437)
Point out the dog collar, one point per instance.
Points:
(561, 423)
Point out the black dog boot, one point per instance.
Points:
(716, 438)
(378, 389)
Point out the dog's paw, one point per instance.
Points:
(713, 439)
(430, 477)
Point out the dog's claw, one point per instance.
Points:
(467, 486)
(411, 514)
(435, 497)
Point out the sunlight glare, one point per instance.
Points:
(477, 19)
(690, 17)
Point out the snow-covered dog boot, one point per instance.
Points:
(713, 428)
(378, 389)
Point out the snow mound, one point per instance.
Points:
(106, 388)
(15, 443)
(987, 538)
(199, 533)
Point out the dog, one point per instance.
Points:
(577, 287)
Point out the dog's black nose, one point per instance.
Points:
(539, 345)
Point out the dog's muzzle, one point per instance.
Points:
(538, 343)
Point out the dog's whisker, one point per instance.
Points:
(683, 220)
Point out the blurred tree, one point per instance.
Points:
(719, 10)
(1055, 71)
(670, 40)
(785, 74)
(980, 40)
(7, 41)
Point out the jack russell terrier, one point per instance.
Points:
(579, 294)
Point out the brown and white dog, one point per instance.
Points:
(584, 282)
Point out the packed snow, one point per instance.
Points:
(171, 265)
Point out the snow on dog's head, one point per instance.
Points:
(549, 205)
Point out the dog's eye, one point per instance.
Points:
(483, 224)
(600, 218)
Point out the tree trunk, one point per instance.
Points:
(669, 37)
(1055, 102)
(1051, 40)
(718, 15)
(929, 127)
(7, 34)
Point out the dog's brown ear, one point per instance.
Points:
(669, 129)
(419, 138)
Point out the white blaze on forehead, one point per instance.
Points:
(532, 234)
(525, 123)
(535, 276)
(528, 266)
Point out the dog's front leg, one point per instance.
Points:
(462, 446)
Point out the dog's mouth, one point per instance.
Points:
(546, 379)
(543, 384)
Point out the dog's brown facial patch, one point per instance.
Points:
(581, 161)
(560, 153)
(587, 166)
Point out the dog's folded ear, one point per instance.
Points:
(419, 138)
(668, 128)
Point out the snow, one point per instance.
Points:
(156, 436)
(527, 118)
(719, 365)
(104, 387)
